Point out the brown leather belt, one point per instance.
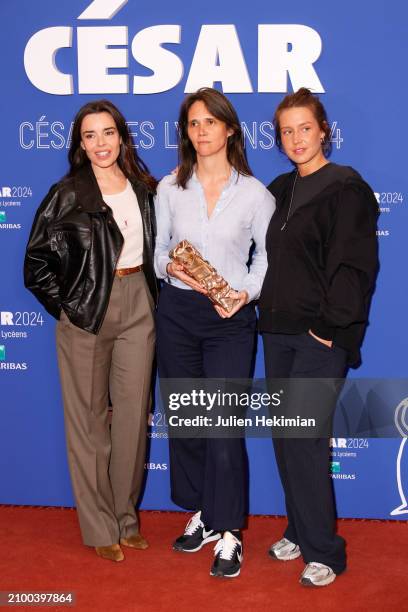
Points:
(126, 271)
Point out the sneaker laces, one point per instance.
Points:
(193, 524)
(226, 547)
(282, 544)
(315, 567)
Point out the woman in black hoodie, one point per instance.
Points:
(322, 265)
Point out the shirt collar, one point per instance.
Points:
(231, 181)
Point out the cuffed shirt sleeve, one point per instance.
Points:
(164, 231)
(260, 222)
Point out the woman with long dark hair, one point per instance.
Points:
(89, 261)
(322, 265)
(214, 202)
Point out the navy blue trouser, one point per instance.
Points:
(193, 341)
(304, 463)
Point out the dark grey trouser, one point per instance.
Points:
(107, 463)
(304, 463)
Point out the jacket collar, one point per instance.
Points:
(88, 190)
(141, 193)
(90, 195)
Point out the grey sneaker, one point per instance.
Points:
(284, 550)
(317, 574)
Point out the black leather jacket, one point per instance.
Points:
(74, 247)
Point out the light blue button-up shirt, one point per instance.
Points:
(240, 218)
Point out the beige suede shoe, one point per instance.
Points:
(111, 553)
(135, 541)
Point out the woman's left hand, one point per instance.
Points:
(328, 343)
(242, 296)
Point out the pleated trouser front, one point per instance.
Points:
(107, 462)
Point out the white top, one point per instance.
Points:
(127, 215)
(239, 220)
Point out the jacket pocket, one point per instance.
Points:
(73, 245)
(70, 238)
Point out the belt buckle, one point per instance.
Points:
(125, 271)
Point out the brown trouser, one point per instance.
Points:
(107, 464)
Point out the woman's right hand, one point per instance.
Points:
(177, 270)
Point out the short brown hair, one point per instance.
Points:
(304, 97)
(221, 108)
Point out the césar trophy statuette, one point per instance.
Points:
(203, 272)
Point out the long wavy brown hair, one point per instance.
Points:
(221, 108)
(129, 161)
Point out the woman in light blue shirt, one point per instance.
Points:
(214, 202)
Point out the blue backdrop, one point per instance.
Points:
(144, 56)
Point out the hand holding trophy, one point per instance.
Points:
(195, 266)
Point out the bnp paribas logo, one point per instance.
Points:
(335, 467)
(10, 365)
(7, 226)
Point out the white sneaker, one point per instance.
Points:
(228, 557)
(317, 574)
(284, 550)
(195, 535)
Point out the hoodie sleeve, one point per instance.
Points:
(351, 263)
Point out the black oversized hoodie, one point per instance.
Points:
(322, 264)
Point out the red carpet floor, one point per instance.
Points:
(41, 550)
